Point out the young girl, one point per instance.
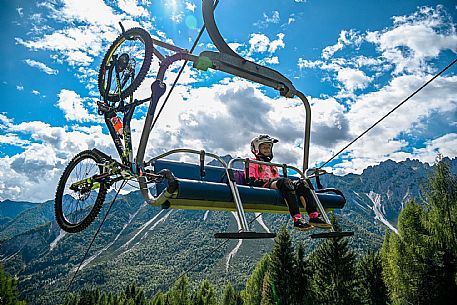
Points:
(267, 176)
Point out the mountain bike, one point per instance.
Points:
(83, 186)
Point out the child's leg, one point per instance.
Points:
(287, 190)
(306, 197)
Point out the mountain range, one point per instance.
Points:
(152, 247)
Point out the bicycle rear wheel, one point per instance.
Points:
(78, 197)
(133, 53)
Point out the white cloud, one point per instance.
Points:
(85, 39)
(132, 8)
(13, 139)
(406, 49)
(391, 137)
(346, 38)
(272, 60)
(274, 17)
(353, 79)
(90, 26)
(261, 43)
(235, 45)
(72, 106)
(446, 145)
(5, 121)
(177, 18)
(403, 48)
(276, 44)
(33, 174)
(304, 63)
(41, 66)
(268, 19)
(93, 12)
(198, 117)
(415, 38)
(190, 6)
(78, 58)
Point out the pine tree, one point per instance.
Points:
(134, 295)
(333, 265)
(205, 295)
(89, 297)
(282, 269)
(71, 299)
(303, 274)
(404, 261)
(441, 222)
(158, 299)
(371, 287)
(420, 262)
(230, 296)
(179, 294)
(8, 292)
(252, 294)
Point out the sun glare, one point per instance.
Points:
(173, 5)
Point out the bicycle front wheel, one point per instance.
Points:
(79, 197)
(131, 54)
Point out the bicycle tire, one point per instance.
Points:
(62, 219)
(131, 34)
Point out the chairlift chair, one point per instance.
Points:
(204, 187)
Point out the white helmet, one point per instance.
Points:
(255, 144)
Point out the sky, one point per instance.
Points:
(354, 60)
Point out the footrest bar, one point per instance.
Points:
(244, 235)
(332, 235)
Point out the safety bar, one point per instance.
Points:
(282, 165)
(316, 172)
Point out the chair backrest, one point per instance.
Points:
(193, 172)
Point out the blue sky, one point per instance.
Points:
(354, 60)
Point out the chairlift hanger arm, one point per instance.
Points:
(244, 68)
(227, 61)
(233, 63)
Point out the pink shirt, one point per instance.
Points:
(262, 172)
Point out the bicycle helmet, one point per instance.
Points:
(255, 144)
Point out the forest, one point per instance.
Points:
(416, 266)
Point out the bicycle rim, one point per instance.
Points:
(78, 203)
(134, 47)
